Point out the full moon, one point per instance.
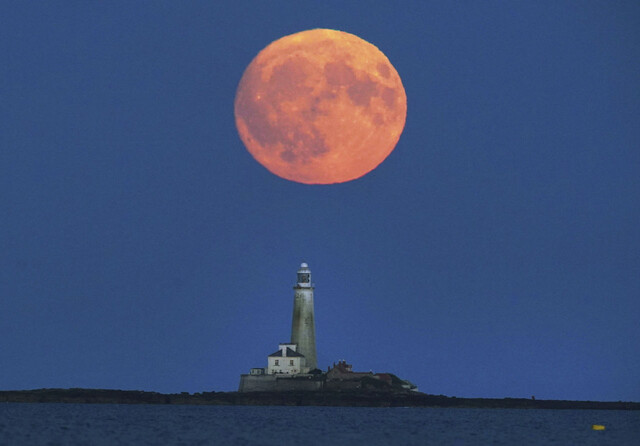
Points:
(320, 107)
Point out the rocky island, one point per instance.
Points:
(352, 398)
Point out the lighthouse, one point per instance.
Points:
(303, 328)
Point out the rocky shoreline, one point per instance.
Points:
(356, 398)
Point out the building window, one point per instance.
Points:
(277, 362)
(291, 362)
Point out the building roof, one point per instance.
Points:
(342, 370)
(290, 354)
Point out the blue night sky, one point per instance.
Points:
(495, 252)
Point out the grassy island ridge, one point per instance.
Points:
(356, 398)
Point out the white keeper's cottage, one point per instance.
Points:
(286, 361)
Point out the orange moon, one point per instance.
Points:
(320, 107)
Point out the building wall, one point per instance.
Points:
(277, 383)
(338, 374)
(283, 365)
(256, 383)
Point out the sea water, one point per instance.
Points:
(110, 424)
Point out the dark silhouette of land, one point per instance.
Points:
(352, 398)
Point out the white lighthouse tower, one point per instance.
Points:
(303, 328)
